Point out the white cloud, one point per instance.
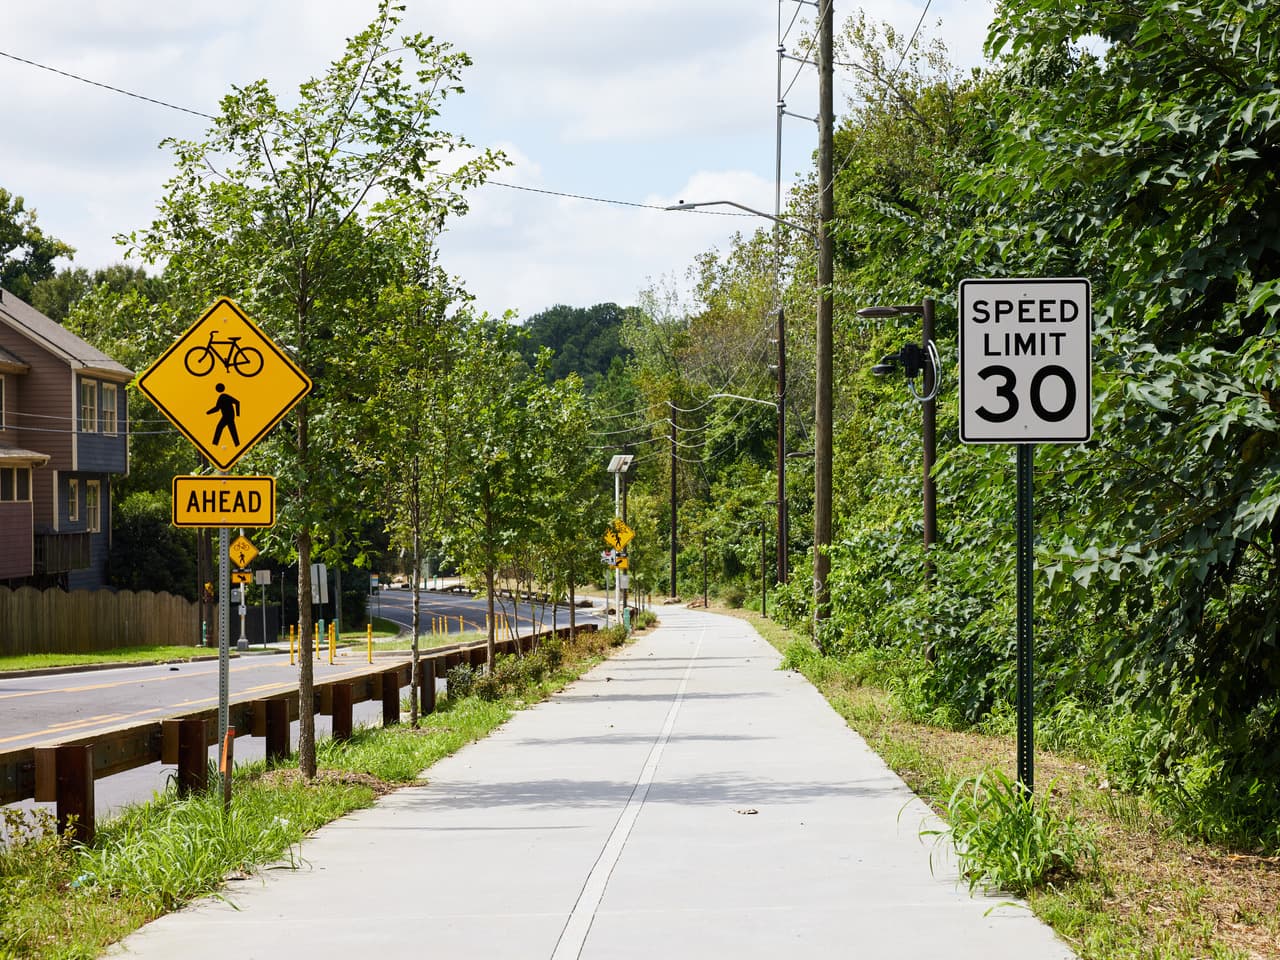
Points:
(527, 251)
(610, 98)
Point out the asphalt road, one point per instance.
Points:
(397, 606)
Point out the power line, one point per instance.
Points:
(619, 203)
(107, 86)
(496, 183)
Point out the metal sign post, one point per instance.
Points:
(224, 366)
(224, 641)
(1026, 378)
(1026, 616)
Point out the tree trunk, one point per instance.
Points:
(489, 578)
(573, 606)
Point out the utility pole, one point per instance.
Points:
(783, 573)
(674, 591)
(929, 436)
(823, 400)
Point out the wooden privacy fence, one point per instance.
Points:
(87, 621)
(64, 772)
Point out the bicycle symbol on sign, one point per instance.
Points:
(246, 361)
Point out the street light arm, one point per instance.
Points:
(791, 225)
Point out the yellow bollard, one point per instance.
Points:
(486, 623)
(370, 630)
(291, 645)
(315, 641)
(332, 636)
(461, 625)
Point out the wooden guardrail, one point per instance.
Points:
(64, 772)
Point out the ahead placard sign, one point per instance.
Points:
(1025, 361)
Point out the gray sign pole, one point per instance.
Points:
(224, 638)
(1026, 616)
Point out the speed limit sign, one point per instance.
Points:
(1025, 361)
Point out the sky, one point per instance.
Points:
(647, 102)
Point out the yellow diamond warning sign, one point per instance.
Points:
(224, 383)
(242, 551)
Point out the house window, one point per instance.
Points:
(88, 406)
(109, 409)
(93, 506)
(73, 501)
(15, 484)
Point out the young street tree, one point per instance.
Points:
(415, 356)
(291, 210)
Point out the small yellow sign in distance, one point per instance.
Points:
(618, 534)
(224, 383)
(224, 501)
(242, 576)
(622, 564)
(242, 551)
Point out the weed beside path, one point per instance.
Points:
(1153, 895)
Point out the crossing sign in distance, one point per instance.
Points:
(1025, 361)
(618, 534)
(242, 551)
(224, 383)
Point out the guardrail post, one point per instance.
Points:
(341, 712)
(193, 756)
(277, 730)
(390, 697)
(427, 687)
(73, 767)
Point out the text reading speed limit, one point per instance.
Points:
(1025, 361)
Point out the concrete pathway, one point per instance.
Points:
(685, 799)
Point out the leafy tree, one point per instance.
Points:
(58, 294)
(416, 355)
(502, 445)
(1165, 149)
(26, 253)
(292, 209)
(582, 340)
(147, 551)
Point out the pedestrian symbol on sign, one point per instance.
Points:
(229, 407)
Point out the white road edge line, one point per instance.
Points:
(574, 935)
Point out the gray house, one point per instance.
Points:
(64, 432)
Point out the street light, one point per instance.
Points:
(789, 224)
(824, 348)
(918, 360)
(619, 466)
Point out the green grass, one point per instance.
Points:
(44, 661)
(62, 901)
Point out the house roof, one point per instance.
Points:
(16, 456)
(11, 363)
(58, 340)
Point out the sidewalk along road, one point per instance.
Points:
(685, 799)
